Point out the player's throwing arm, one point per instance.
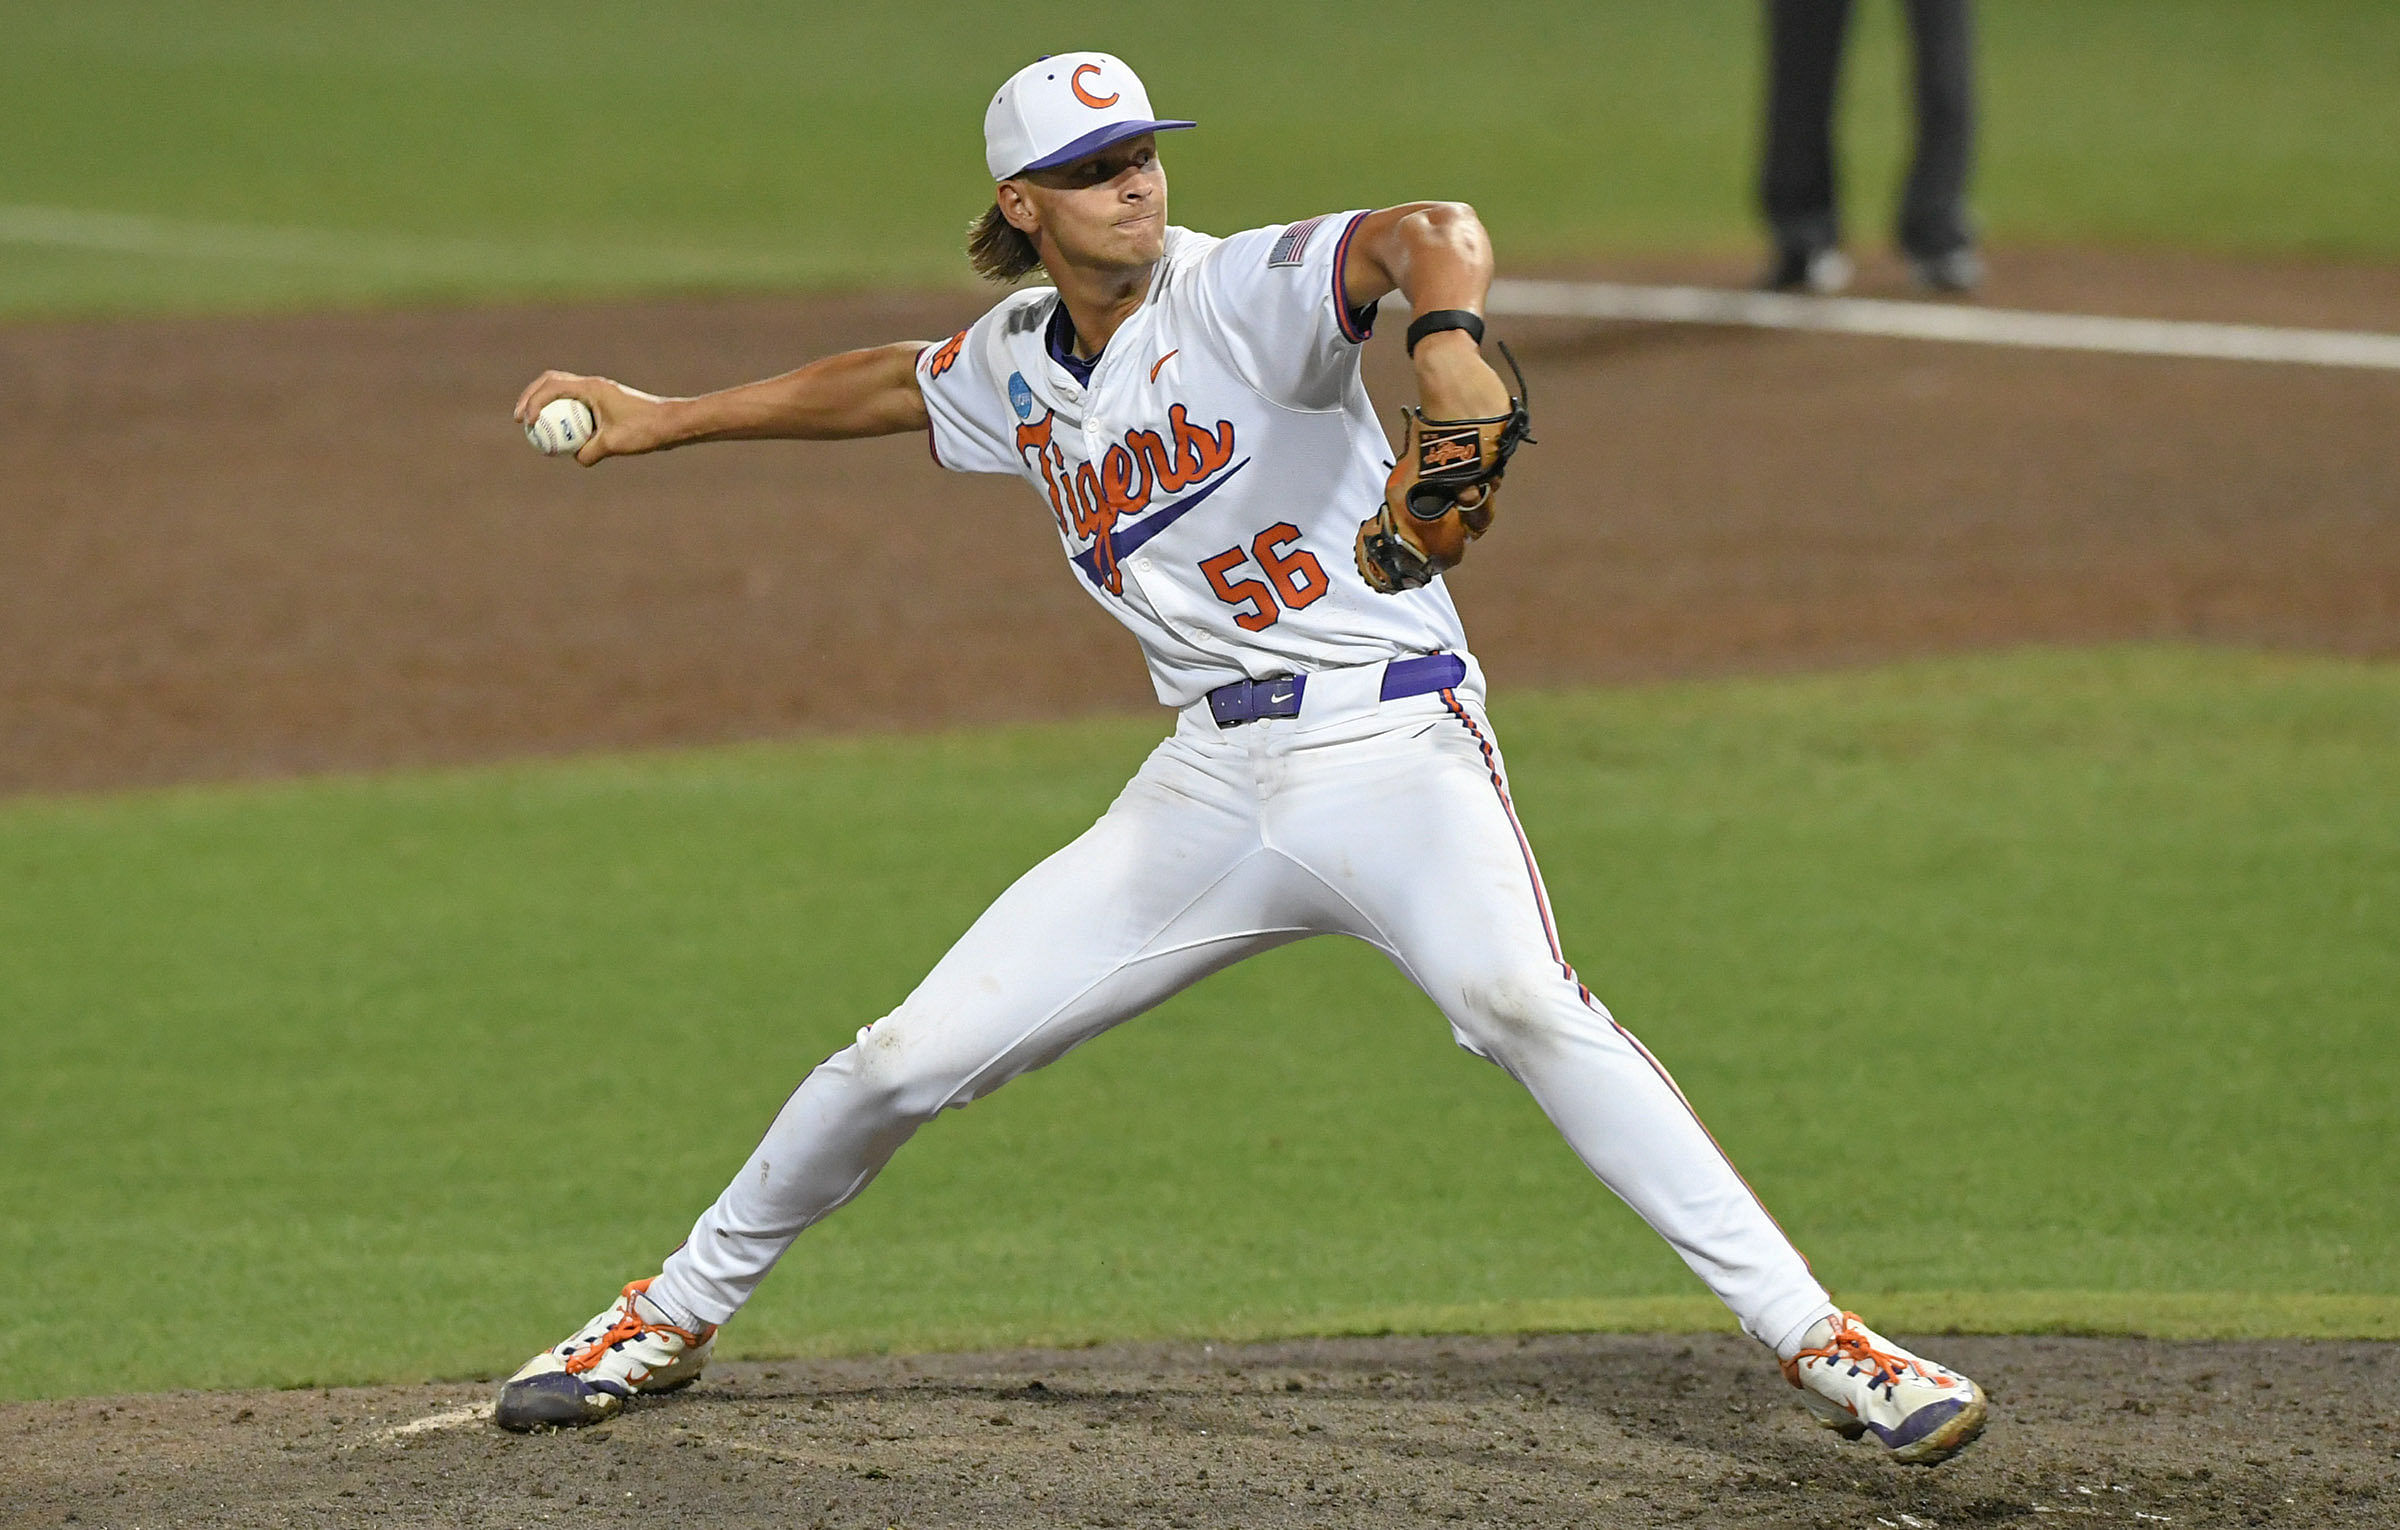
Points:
(872, 392)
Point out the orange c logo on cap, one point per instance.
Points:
(1075, 84)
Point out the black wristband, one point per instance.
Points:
(1440, 319)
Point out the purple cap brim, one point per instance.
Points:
(1100, 138)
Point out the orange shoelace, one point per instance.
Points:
(1850, 1342)
(629, 1325)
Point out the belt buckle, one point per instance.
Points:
(1249, 701)
(1226, 704)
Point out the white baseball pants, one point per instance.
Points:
(1386, 821)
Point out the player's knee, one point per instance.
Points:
(1510, 1012)
(901, 1072)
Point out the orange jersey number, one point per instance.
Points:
(1298, 579)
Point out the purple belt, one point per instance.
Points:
(1249, 700)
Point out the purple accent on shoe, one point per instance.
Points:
(1422, 676)
(1920, 1423)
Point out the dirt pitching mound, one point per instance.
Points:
(1556, 1430)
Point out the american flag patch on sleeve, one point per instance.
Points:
(1294, 243)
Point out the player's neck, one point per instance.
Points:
(1100, 301)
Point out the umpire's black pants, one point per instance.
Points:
(1803, 73)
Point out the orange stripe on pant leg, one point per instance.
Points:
(1541, 903)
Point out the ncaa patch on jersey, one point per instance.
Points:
(1292, 246)
(1020, 396)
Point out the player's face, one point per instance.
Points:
(1106, 211)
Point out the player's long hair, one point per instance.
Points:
(999, 250)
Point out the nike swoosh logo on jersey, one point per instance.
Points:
(1125, 540)
(1162, 361)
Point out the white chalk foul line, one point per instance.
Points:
(1956, 322)
(170, 238)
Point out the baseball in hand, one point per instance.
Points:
(561, 428)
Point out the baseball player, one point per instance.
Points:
(1189, 413)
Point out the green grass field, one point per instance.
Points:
(244, 153)
(2038, 991)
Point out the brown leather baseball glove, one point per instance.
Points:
(1442, 494)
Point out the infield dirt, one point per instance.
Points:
(234, 548)
(1580, 1430)
(259, 547)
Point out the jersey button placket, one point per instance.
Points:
(1270, 758)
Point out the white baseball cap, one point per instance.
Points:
(1061, 107)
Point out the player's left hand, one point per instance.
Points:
(1443, 493)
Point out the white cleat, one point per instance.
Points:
(1859, 1382)
(587, 1379)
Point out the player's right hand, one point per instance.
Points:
(626, 421)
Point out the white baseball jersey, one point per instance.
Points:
(1209, 470)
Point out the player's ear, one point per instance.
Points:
(1016, 207)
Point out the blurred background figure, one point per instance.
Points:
(1796, 183)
